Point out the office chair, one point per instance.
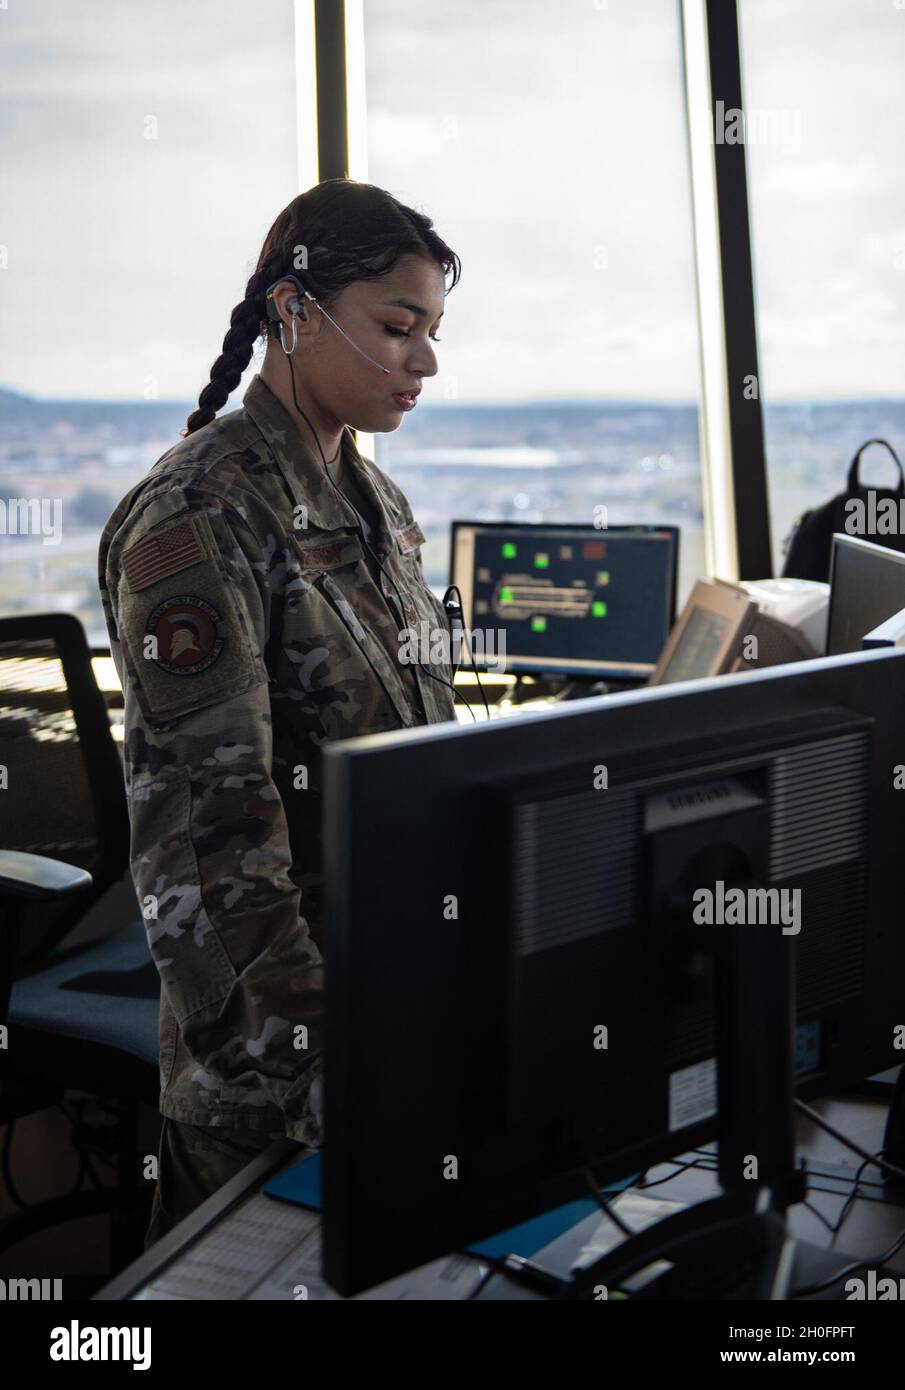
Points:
(84, 1018)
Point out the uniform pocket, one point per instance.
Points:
(386, 680)
(339, 663)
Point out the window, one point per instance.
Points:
(547, 143)
(823, 84)
(145, 150)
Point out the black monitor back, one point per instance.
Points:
(498, 895)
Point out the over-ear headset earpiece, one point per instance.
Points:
(295, 304)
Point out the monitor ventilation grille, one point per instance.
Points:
(818, 797)
(575, 867)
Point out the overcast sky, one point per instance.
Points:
(545, 139)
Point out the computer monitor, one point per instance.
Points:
(516, 985)
(867, 586)
(569, 600)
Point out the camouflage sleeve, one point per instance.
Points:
(210, 850)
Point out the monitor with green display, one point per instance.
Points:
(568, 599)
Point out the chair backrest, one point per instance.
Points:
(63, 790)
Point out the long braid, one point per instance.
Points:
(238, 345)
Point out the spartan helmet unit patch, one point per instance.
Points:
(188, 632)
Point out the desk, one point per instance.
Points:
(195, 1255)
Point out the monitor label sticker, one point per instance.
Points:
(692, 1094)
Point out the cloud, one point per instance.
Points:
(824, 181)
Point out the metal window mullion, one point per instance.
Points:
(330, 63)
(736, 522)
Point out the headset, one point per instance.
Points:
(294, 309)
(451, 605)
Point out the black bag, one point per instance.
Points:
(809, 547)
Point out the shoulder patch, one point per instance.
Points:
(188, 632)
(192, 628)
(169, 551)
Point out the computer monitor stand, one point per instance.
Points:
(738, 1238)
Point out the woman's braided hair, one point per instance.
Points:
(348, 231)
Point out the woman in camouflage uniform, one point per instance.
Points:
(256, 584)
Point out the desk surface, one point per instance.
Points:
(241, 1244)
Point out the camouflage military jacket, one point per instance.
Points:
(247, 630)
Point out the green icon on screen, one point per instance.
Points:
(509, 550)
(505, 596)
(541, 561)
(598, 609)
(538, 624)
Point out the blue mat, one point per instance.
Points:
(299, 1183)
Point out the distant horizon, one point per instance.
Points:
(182, 402)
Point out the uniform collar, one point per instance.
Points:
(303, 470)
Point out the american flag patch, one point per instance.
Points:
(157, 557)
